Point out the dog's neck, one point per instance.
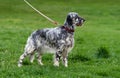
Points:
(69, 28)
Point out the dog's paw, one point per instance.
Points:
(66, 65)
(19, 65)
(41, 63)
(56, 64)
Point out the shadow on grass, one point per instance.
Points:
(79, 58)
(102, 52)
(26, 63)
(102, 74)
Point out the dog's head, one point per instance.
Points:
(74, 19)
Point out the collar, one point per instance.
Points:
(68, 29)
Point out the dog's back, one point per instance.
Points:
(52, 38)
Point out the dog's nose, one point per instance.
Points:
(83, 20)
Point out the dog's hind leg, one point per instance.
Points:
(39, 58)
(32, 57)
(29, 49)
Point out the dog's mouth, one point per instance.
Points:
(80, 23)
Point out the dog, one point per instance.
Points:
(59, 40)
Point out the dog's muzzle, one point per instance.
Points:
(81, 21)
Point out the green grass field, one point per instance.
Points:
(97, 44)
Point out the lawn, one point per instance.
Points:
(97, 44)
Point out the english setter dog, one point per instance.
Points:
(59, 40)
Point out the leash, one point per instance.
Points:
(54, 22)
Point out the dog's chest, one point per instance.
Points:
(69, 41)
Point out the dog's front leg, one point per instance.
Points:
(58, 53)
(65, 58)
(57, 58)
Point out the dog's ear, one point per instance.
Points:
(69, 20)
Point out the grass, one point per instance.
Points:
(103, 53)
(101, 29)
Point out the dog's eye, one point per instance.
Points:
(76, 20)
